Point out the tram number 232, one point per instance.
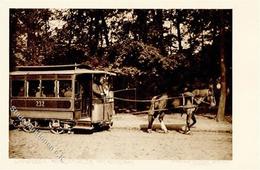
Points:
(39, 103)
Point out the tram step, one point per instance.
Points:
(84, 122)
(78, 127)
(84, 119)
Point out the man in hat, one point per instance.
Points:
(98, 91)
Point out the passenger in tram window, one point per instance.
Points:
(68, 92)
(62, 91)
(40, 93)
(21, 92)
(64, 86)
(48, 88)
(17, 88)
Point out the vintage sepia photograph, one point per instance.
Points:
(120, 84)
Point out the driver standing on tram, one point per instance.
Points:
(98, 91)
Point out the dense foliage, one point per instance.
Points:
(155, 48)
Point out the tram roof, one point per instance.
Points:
(58, 69)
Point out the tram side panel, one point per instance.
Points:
(42, 109)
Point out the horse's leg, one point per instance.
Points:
(187, 128)
(163, 127)
(151, 115)
(193, 119)
(150, 123)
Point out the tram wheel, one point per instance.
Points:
(29, 126)
(13, 124)
(55, 127)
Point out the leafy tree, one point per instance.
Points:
(29, 36)
(156, 48)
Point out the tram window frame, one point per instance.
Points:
(18, 88)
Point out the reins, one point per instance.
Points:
(183, 96)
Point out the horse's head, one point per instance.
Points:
(205, 96)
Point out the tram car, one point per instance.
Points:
(60, 98)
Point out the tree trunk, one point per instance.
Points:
(223, 92)
(96, 31)
(159, 25)
(179, 33)
(141, 22)
(31, 57)
(105, 29)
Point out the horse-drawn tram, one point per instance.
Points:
(60, 98)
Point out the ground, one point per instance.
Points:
(209, 140)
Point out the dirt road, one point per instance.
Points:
(121, 144)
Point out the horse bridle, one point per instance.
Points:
(201, 99)
(198, 99)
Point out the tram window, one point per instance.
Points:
(34, 87)
(17, 88)
(48, 88)
(65, 89)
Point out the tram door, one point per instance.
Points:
(84, 86)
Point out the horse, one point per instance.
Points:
(188, 102)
